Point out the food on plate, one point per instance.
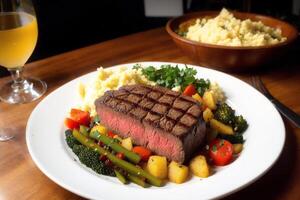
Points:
(122, 164)
(221, 152)
(199, 166)
(225, 115)
(158, 166)
(208, 114)
(220, 127)
(209, 100)
(143, 152)
(150, 133)
(177, 173)
(127, 143)
(227, 30)
(165, 121)
(100, 128)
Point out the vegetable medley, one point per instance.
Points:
(108, 154)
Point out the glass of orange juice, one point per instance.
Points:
(18, 37)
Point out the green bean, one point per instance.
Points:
(137, 180)
(120, 176)
(133, 157)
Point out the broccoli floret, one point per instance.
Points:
(77, 148)
(234, 139)
(90, 158)
(70, 139)
(240, 124)
(87, 156)
(224, 114)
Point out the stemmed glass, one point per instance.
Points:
(18, 37)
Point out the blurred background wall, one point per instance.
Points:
(70, 24)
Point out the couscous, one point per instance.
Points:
(227, 30)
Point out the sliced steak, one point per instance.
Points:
(168, 123)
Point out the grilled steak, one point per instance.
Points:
(168, 123)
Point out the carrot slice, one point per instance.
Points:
(143, 152)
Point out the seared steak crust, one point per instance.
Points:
(166, 121)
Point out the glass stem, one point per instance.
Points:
(19, 83)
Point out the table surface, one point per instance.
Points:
(20, 177)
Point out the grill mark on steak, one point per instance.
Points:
(158, 106)
(166, 114)
(150, 106)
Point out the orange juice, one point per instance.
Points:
(18, 36)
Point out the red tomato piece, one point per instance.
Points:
(108, 163)
(143, 152)
(190, 90)
(111, 134)
(220, 151)
(101, 144)
(120, 155)
(71, 124)
(102, 158)
(82, 117)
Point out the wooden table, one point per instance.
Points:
(21, 179)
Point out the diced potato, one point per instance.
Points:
(207, 115)
(209, 100)
(237, 148)
(177, 173)
(197, 97)
(100, 128)
(127, 143)
(220, 127)
(199, 166)
(158, 167)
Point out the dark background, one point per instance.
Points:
(70, 24)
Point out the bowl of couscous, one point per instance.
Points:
(231, 41)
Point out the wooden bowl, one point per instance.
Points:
(229, 58)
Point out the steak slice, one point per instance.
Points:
(167, 122)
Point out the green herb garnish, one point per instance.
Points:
(170, 77)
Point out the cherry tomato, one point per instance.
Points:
(102, 158)
(82, 117)
(143, 152)
(190, 90)
(220, 151)
(71, 124)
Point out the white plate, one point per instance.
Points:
(264, 142)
